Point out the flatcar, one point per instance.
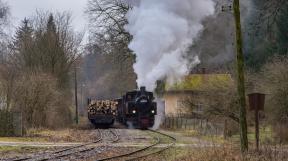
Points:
(102, 113)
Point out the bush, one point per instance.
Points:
(275, 83)
(281, 132)
(42, 104)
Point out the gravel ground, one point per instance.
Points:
(99, 150)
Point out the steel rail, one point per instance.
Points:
(63, 150)
(133, 152)
(144, 149)
(159, 151)
(75, 152)
(115, 139)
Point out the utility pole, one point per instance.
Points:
(82, 97)
(240, 78)
(76, 99)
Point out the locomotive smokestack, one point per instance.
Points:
(142, 89)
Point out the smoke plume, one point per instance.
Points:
(159, 118)
(163, 31)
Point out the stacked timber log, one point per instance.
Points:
(102, 107)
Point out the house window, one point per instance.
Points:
(198, 108)
(180, 107)
(180, 104)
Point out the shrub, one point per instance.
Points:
(42, 104)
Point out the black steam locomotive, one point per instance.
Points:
(137, 109)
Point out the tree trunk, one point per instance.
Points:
(240, 77)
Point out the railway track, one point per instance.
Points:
(146, 151)
(70, 151)
(106, 135)
(161, 142)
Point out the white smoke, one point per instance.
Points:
(163, 31)
(159, 118)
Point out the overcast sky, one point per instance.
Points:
(25, 8)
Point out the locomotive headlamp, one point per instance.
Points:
(134, 111)
(153, 111)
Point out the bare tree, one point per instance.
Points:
(35, 79)
(268, 12)
(275, 80)
(4, 24)
(107, 20)
(218, 99)
(4, 17)
(40, 101)
(108, 36)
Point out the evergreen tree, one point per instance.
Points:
(23, 44)
(51, 27)
(53, 56)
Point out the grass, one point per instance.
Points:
(9, 148)
(226, 150)
(169, 155)
(19, 149)
(63, 135)
(23, 139)
(8, 151)
(222, 153)
(199, 137)
(265, 136)
(45, 135)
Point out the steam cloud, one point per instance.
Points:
(163, 31)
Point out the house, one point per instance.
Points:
(187, 96)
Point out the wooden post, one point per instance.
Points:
(257, 128)
(256, 102)
(240, 78)
(225, 129)
(76, 99)
(185, 123)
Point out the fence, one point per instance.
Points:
(6, 123)
(201, 125)
(10, 123)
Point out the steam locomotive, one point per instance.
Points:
(135, 109)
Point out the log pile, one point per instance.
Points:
(106, 107)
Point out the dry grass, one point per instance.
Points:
(223, 150)
(13, 151)
(64, 135)
(223, 153)
(233, 154)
